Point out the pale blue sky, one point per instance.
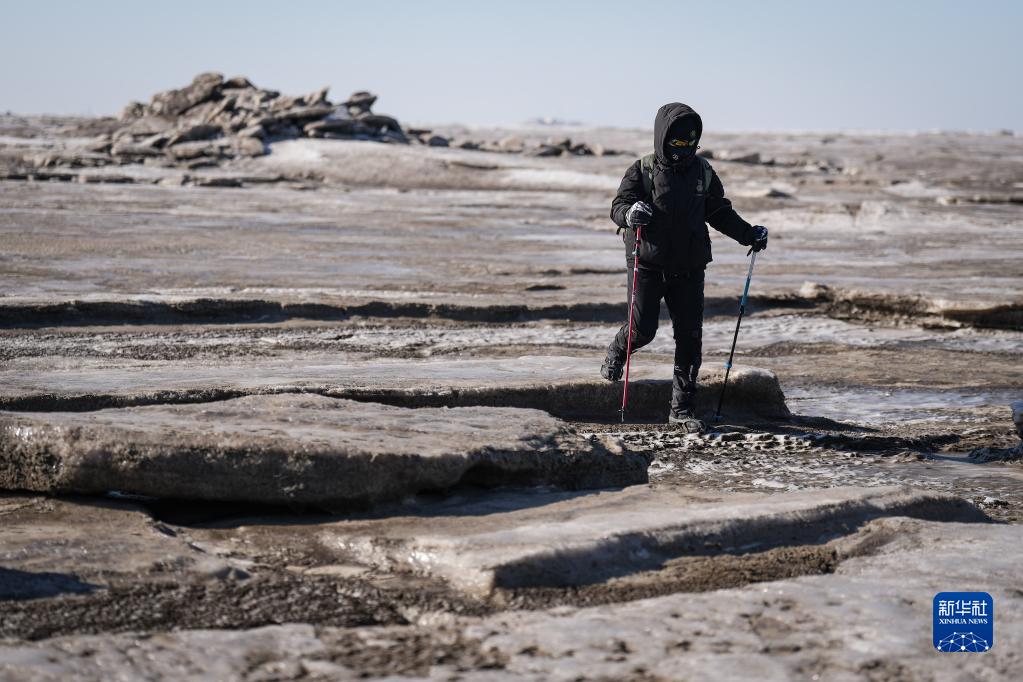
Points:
(743, 65)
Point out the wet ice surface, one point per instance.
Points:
(757, 332)
(520, 221)
(763, 330)
(894, 406)
(427, 338)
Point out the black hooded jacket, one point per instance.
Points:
(677, 239)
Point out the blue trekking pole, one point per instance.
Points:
(742, 309)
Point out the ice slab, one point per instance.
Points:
(592, 539)
(301, 450)
(50, 547)
(561, 385)
(869, 620)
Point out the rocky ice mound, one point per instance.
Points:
(212, 120)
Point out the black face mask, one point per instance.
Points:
(681, 145)
(680, 155)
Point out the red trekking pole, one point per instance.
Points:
(632, 308)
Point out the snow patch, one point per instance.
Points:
(545, 178)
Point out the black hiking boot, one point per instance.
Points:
(614, 364)
(686, 421)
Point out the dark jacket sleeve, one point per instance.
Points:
(722, 217)
(629, 192)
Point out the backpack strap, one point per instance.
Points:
(646, 169)
(646, 172)
(708, 173)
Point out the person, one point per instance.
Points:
(673, 194)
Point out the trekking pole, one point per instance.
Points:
(632, 307)
(742, 309)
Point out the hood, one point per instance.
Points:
(668, 115)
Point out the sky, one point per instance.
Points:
(769, 65)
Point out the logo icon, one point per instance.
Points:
(963, 622)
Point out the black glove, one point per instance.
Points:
(640, 213)
(759, 238)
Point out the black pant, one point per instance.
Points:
(683, 293)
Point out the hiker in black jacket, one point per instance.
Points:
(673, 194)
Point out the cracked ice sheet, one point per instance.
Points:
(431, 338)
(717, 335)
(870, 619)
